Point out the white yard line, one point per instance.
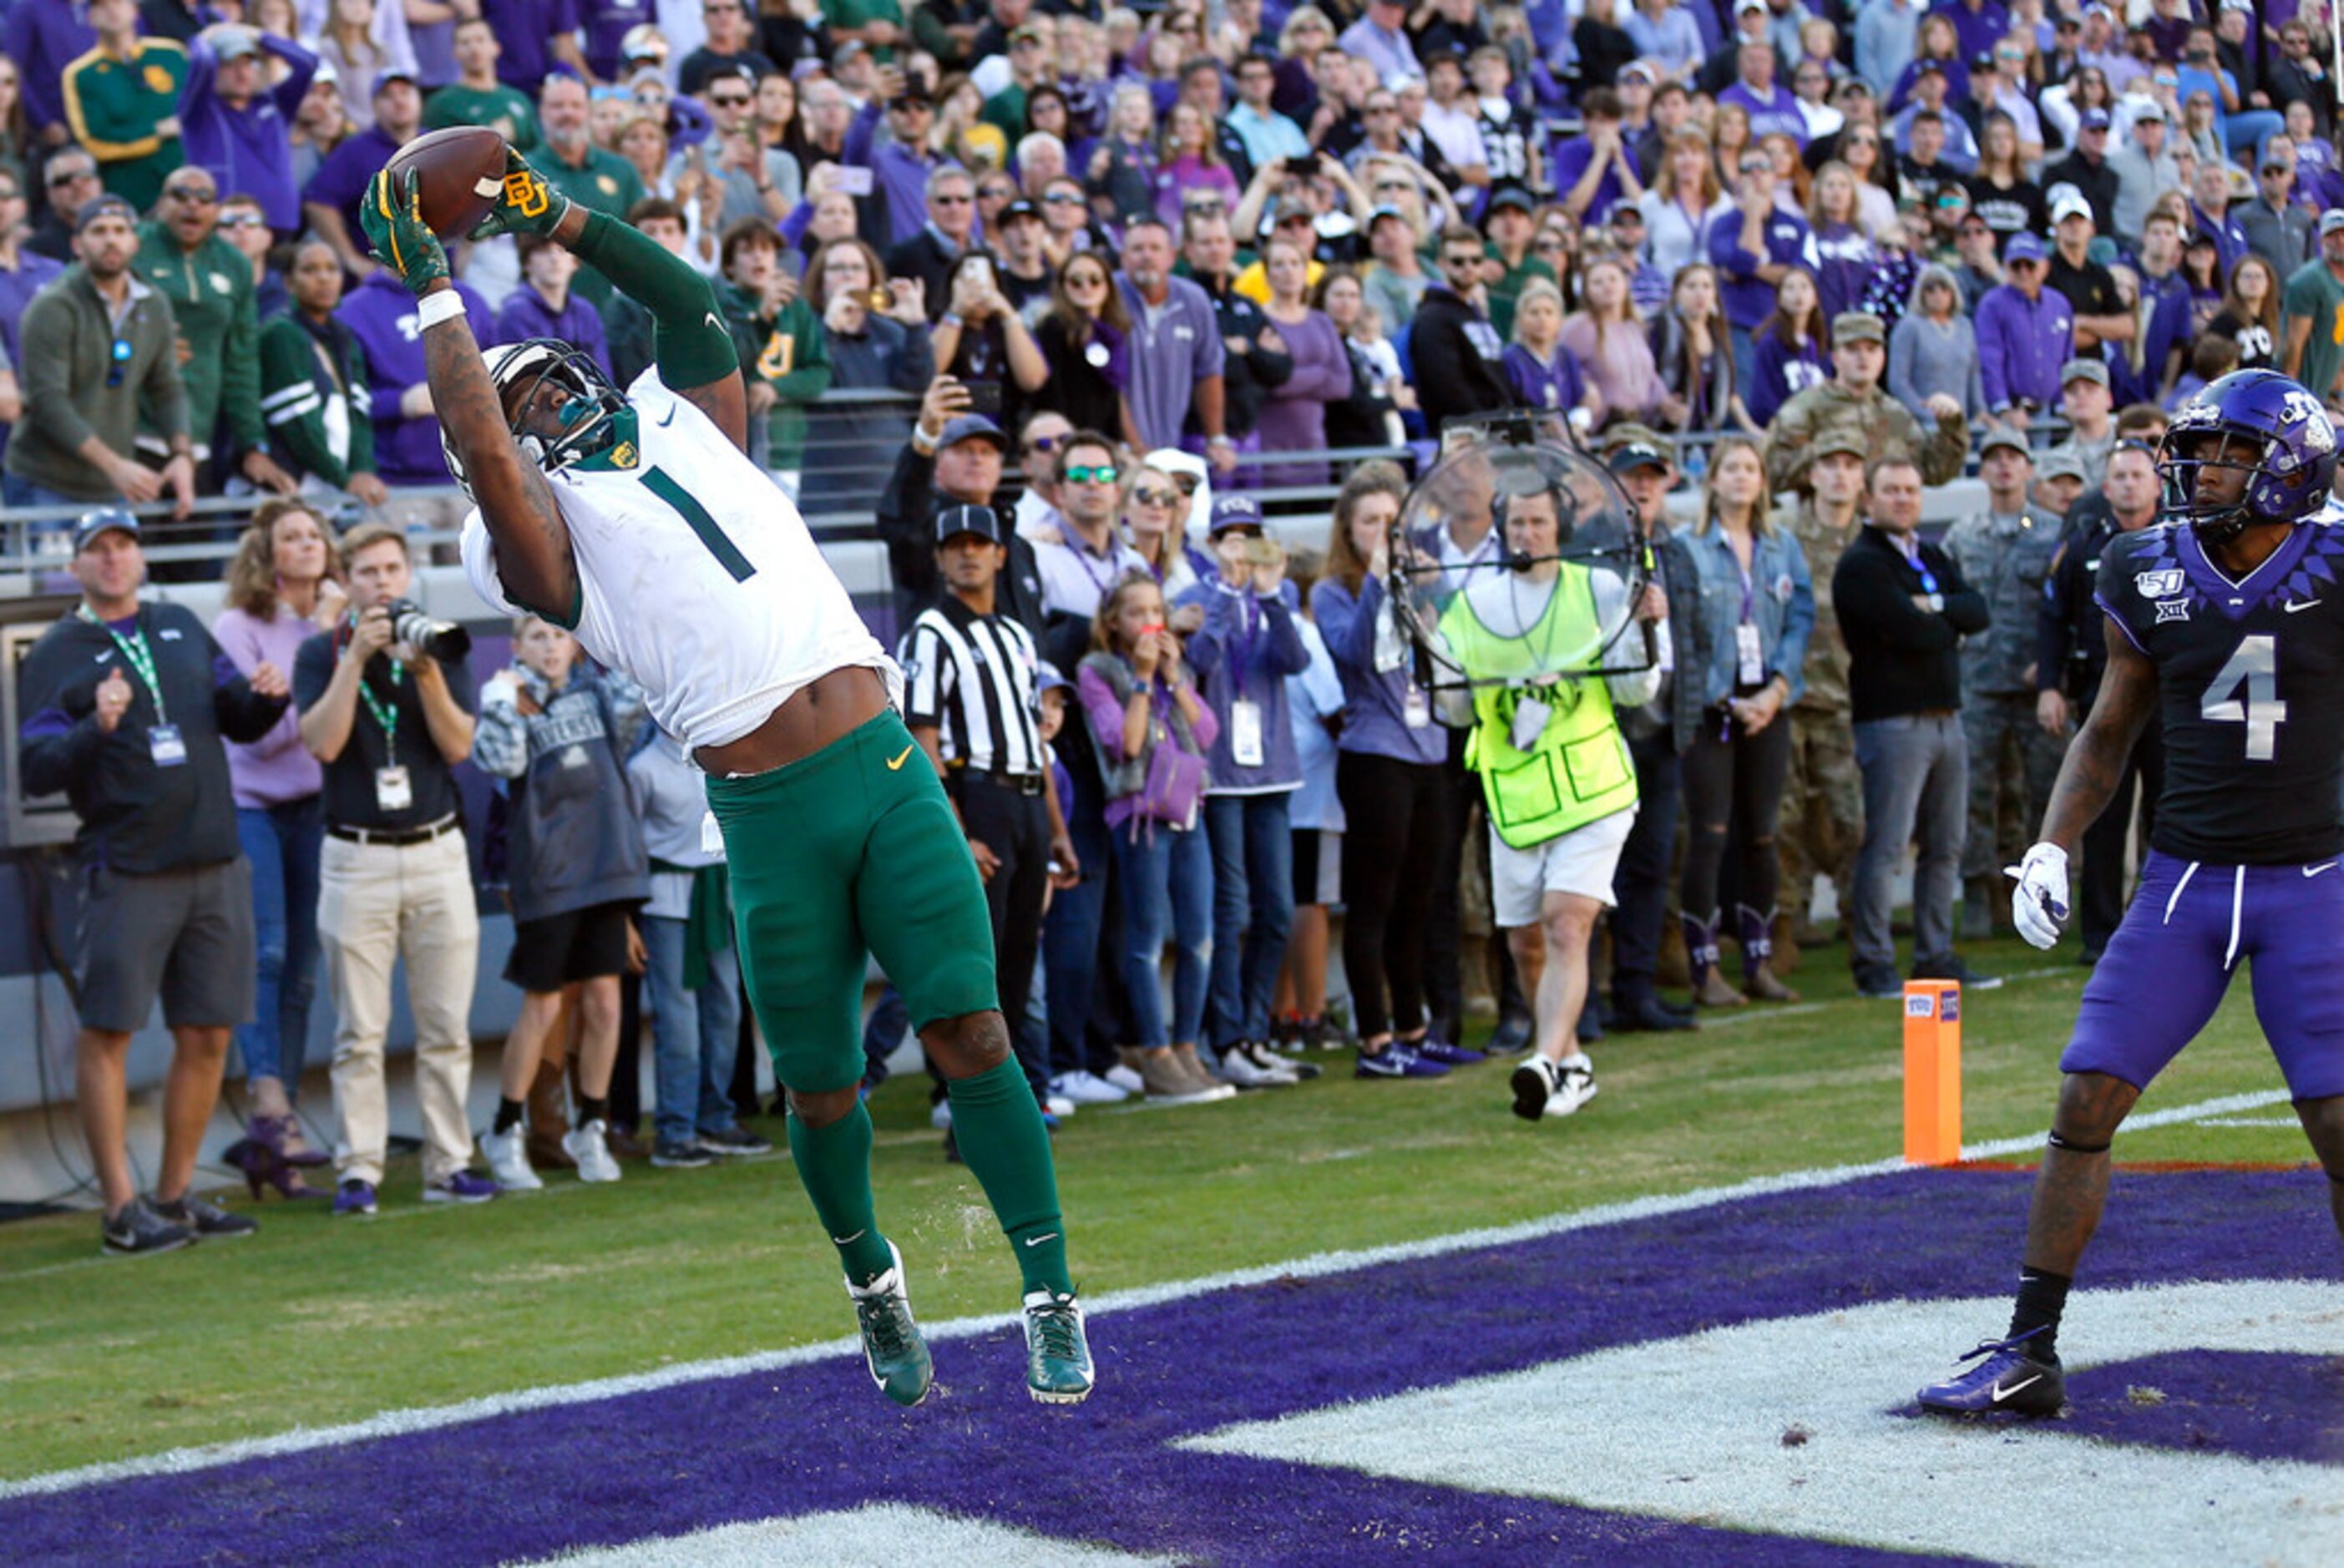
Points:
(392, 1423)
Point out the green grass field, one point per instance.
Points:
(315, 1322)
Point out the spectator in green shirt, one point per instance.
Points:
(122, 103)
(784, 355)
(581, 171)
(476, 97)
(2314, 302)
(878, 24)
(209, 282)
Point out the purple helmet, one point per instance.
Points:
(2279, 435)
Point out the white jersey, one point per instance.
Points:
(701, 580)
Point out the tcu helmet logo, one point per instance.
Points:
(526, 193)
(2302, 408)
(2161, 585)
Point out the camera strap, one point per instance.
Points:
(139, 656)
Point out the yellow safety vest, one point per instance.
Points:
(1579, 770)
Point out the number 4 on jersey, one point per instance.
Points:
(2245, 691)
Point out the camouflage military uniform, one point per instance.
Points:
(1883, 423)
(2012, 762)
(1823, 798)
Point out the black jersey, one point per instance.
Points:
(1507, 140)
(2250, 677)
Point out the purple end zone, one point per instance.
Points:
(818, 1438)
(2259, 1404)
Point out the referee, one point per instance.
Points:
(972, 704)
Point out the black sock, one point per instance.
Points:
(2042, 1297)
(509, 1115)
(592, 1110)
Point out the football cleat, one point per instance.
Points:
(2007, 1378)
(1575, 1086)
(1058, 1369)
(892, 1346)
(1535, 1082)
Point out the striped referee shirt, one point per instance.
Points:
(974, 678)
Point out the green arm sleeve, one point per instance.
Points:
(693, 348)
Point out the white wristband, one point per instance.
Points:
(445, 305)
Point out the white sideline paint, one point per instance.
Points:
(895, 1534)
(1608, 1431)
(394, 1423)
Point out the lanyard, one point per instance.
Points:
(1083, 559)
(140, 658)
(1929, 578)
(385, 714)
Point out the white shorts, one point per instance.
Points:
(1580, 861)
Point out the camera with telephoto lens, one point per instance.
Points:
(441, 639)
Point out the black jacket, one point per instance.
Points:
(2096, 183)
(923, 257)
(2071, 649)
(1903, 659)
(907, 514)
(137, 817)
(1458, 360)
(1247, 377)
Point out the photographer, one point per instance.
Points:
(389, 720)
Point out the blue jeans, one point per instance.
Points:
(695, 1036)
(2250, 129)
(282, 842)
(1253, 909)
(883, 1031)
(1165, 873)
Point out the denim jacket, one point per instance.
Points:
(1782, 603)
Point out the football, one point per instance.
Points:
(459, 172)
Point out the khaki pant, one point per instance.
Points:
(376, 903)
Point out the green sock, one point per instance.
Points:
(1003, 1142)
(835, 1163)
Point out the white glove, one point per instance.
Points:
(2038, 904)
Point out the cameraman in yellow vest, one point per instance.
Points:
(1556, 775)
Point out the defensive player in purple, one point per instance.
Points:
(2225, 626)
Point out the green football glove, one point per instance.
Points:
(392, 216)
(527, 204)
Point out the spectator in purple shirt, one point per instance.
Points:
(44, 37)
(1177, 354)
(22, 273)
(1754, 244)
(238, 133)
(1594, 171)
(1978, 25)
(381, 313)
(331, 202)
(539, 37)
(2026, 333)
(543, 306)
(901, 165)
(1770, 105)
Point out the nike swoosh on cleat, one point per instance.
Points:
(896, 762)
(2001, 1393)
(1038, 1241)
(2298, 605)
(2311, 871)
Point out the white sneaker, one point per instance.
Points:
(1251, 1065)
(1127, 1079)
(940, 1116)
(1088, 1087)
(1577, 1085)
(508, 1154)
(1058, 1105)
(587, 1146)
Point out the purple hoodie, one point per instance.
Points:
(247, 150)
(381, 313)
(44, 37)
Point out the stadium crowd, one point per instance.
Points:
(1141, 271)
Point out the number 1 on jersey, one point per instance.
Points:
(2252, 671)
(661, 484)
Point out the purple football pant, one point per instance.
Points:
(2189, 927)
